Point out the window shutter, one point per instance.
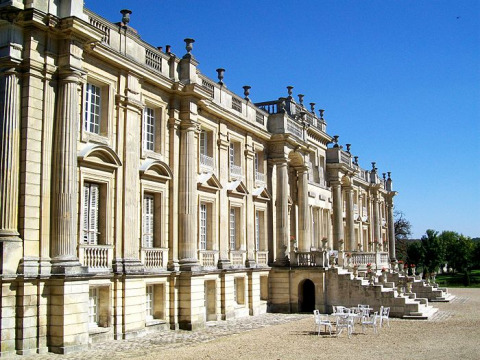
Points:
(94, 193)
(86, 200)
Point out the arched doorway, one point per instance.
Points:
(306, 296)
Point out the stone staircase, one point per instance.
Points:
(347, 290)
(423, 290)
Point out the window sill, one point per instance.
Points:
(154, 322)
(92, 330)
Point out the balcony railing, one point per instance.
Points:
(237, 258)
(259, 177)
(154, 258)
(96, 257)
(262, 258)
(207, 161)
(235, 170)
(310, 258)
(208, 258)
(294, 128)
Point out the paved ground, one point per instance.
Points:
(453, 332)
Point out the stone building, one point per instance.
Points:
(136, 193)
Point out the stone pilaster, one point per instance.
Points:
(10, 243)
(64, 177)
(173, 127)
(282, 212)
(337, 213)
(304, 239)
(350, 241)
(376, 218)
(187, 189)
(249, 208)
(391, 229)
(223, 144)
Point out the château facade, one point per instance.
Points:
(136, 193)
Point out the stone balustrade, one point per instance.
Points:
(154, 258)
(237, 258)
(208, 258)
(261, 258)
(96, 257)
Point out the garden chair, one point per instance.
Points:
(344, 322)
(371, 321)
(322, 320)
(384, 315)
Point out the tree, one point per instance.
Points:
(403, 230)
(433, 251)
(415, 254)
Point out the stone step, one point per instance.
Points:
(424, 313)
(445, 298)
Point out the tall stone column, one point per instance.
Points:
(64, 177)
(337, 213)
(391, 229)
(173, 127)
(350, 220)
(187, 202)
(282, 212)
(223, 171)
(10, 242)
(376, 218)
(249, 208)
(304, 238)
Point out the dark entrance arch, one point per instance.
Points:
(306, 296)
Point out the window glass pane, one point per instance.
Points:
(203, 226)
(148, 220)
(232, 228)
(92, 109)
(149, 129)
(91, 193)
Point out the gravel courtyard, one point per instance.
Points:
(453, 332)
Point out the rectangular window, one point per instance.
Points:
(149, 129)
(233, 228)
(93, 307)
(203, 227)
(203, 142)
(232, 154)
(91, 193)
(148, 220)
(149, 302)
(92, 109)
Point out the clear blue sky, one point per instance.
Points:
(400, 80)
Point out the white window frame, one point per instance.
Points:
(90, 211)
(149, 302)
(233, 228)
(149, 129)
(257, 230)
(93, 307)
(148, 228)
(93, 109)
(203, 226)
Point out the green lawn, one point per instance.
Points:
(457, 280)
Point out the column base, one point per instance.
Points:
(251, 263)
(173, 265)
(67, 266)
(128, 266)
(224, 264)
(285, 261)
(11, 252)
(190, 265)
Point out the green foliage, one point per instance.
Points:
(433, 251)
(459, 251)
(458, 280)
(415, 253)
(403, 230)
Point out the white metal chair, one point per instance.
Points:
(322, 320)
(384, 315)
(370, 321)
(344, 322)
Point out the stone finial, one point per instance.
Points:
(189, 47)
(290, 92)
(335, 141)
(348, 147)
(374, 169)
(312, 107)
(302, 115)
(321, 111)
(355, 160)
(300, 99)
(384, 176)
(168, 49)
(160, 48)
(221, 73)
(389, 174)
(125, 16)
(246, 91)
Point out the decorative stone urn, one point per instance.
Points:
(400, 266)
(340, 245)
(399, 289)
(409, 285)
(384, 276)
(332, 260)
(355, 270)
(324, 243)
(371, 276)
